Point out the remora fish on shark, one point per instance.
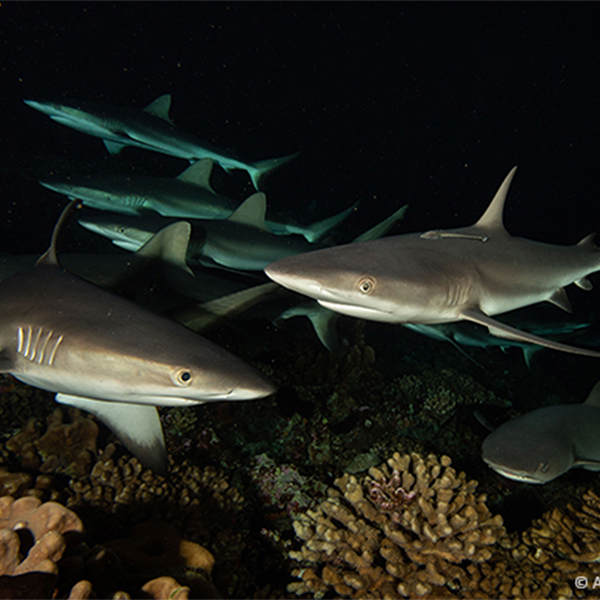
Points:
(441, 276)
(110, 357)
(150, 129)
(545, 443)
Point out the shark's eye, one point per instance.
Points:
(122, 230)
(183, 377)
(366, 285)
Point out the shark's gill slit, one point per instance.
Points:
(54, 349)
(35, 343)
(19, 339)
(27, 343)
(43, 348)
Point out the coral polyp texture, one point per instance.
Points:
(417, 514)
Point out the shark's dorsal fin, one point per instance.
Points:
(593, 398)
(160, 107)
(492, 218)
(170, 244)
(136, 425)
(198, 174)
(512, 333)
(251, 211)
(50, 257)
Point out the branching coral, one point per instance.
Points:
(418, 515)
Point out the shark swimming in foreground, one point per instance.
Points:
(110, 357)
(150, 129)
(446, 275)
(545, 443)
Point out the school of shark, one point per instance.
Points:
(107, 346)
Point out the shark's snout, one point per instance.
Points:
(284, 273)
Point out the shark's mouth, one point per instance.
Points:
(356, 310)
(519, 476)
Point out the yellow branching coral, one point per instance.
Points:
(417, 514)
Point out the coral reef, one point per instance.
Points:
(63, 448)
(282, 487)
(34, 536)
(417, 514)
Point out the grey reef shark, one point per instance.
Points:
(446, 275)
(242, 242)
(150, 129)
(545, 443)
(110, 357)
(189, 195)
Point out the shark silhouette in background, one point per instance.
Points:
(447, 275)
(110, 357)
(150, 129)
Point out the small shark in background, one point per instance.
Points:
(110, 357)
(545, 443)
(530, 319)
(242, 242)
(187, 196)
(150, 129)
(447, 275)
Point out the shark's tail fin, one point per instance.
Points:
(260, 169)
(316, 231)
(382, 228)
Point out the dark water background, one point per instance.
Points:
(389, 103)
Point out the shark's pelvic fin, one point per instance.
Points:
(160, 107)
(251, 211)
(113, 147)
(136, 425)
(512, 333)
(492, 218)
(560, 299)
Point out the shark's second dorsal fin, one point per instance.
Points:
(492, 217)
(593, 398)
(251, 211)
(198, 174)
(170, 244)
(50, 257)
(160, 107)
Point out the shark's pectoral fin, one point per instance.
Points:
(136, 425)
(113, 147)
(589, 465)
(512, 333)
